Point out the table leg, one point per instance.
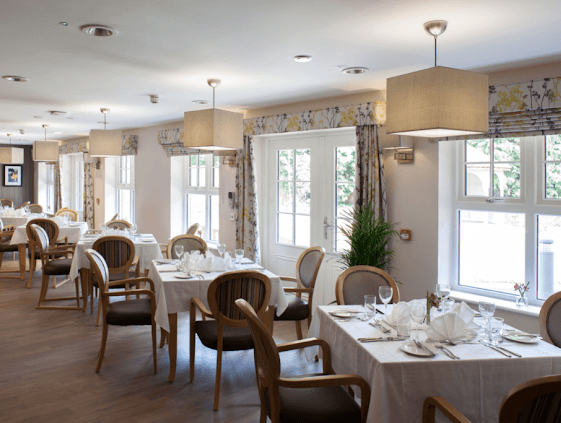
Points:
(172, 341)
(85, 290)
(22, 252)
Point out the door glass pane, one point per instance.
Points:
(214, 217)
(478, 150)
(491, 250)
(193, 177)
(302, 165)
(202, 160)
(285, 229)
(216, 178)
(507, 149)
(341, 242)
(345, 164)
(202, 173)
(477, 179)
(345, 198)
(553, 180)
(193, 159)
(302, 197)
(507, 180)
(549, 255)
(553, 147)
(302, 231)
(286, 165)
(196, 212)
(286, 196)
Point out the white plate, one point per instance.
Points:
(344, 314)
(411, 348)
(147, 240)
(524, 339)
(166, 261)
(180, 276)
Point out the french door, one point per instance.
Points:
(309, 182)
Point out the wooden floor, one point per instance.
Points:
(48, 358)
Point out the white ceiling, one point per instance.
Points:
(170, 48)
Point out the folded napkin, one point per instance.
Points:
(58, 220)
(454, 325)
(212, 264)
(14, 213)
(391, 320)
(399, 314)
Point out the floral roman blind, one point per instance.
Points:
(129, 144)
(171, 141)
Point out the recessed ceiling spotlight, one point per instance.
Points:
(56, 113)
(63, 23)
(303, 59)
(201, 101)
(154, 99)
(97, 30)
(14, 78)
(355, 71)
(22, 131)
(38, 117)
(57, 132)
(69, 118)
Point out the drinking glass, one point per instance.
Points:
(496, 330)
(221, 249)
(487, 310)
(443, 290)
(385, 293)
(239, 255)
(178, 251)
(418, 312)
(133, 229)
(447, 305)
(369, 306)
(403, 326)
(195, 255)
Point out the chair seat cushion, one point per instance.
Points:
(6, 247)
(234, 339)
(297, 309)
(58, 267)
(310, 405)
(117, 277)
(128, 313)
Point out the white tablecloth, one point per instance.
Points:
(73, 232)
(18, 220)
(174, 295)
(146, 252)
(475, 385)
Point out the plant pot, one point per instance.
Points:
(521, 302)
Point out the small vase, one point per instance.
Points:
(521, 302)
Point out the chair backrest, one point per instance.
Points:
(72, 213)
(550, 320)
(308, 265)
(117, 252)
(41, 241)
(189, 242)
(118, 224)
(50, 227)
(24, 204)
(99, 266)
(252, 286)
(537, 400)
(357, 281)
(115, 217)
(192, 230)
(6, 202)
(35, 208)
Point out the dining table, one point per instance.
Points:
(18, 220)
(475, 384)
(173, 296)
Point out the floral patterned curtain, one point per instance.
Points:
(370, 185)
(247, 236)
(89, 172)
(58, 183)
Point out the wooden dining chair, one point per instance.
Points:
(36, 208)
(307, 269)
(24, 204)
(228, 331)
(119, 255)
(534, 401)
(114, 217)
(550, 320)
(6, 234)
(192, 230)
(357, 281)
(317, 398)
(189, 242)
(72, 213)
(138, 312)
(6, 202)
(118, 224)
(52, 265)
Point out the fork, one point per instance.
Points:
(441, 347)
(379, 326)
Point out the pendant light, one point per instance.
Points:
(213, 129)
(11, 155)
(104, 143)
(437, 102)
(45, 151)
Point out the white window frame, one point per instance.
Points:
(208, 190)
(75, 192)
(532, 202)
(50, 188)
(125, 186)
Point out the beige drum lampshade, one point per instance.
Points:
(213, 129)
(105, 143)
(438, 102)
(45, 151)
(11, 155)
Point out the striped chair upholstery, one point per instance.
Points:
(35, 208)
(118, 224)
(189, 242)
(72, 213)
(357, 281)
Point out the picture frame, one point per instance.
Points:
(13, 175)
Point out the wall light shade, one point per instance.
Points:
(213, 129)
(45, 151)
(11, 155)
(105, 143)
(438, 102)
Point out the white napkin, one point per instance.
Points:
(399, 314)
(15, 213)
(391, 320)
(58, 220)
(213, 264)
(453, 325)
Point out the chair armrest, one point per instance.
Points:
(58, 248)
(135, 261)
(136, 292)
(300, 290)
(62, 240)
(432, 403)
(129, 281)
(199, 304)
(310, 342)
(288, 278)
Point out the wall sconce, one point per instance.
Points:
(404, 152)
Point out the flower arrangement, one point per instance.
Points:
(521, 301)
(432, 301)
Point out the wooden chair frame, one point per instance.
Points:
(133, 260)
(6, 202)
(47, 255)
(23, 205)
(268, 366)
(222, 320)
(543, 318)
(36, 205)
(192, 230)
(511, 407)
(351, 270)
(8, 232)
(104, 298)
(301, 288)
(74, 213)
(117, 221)
(170, 244)
(114, 217)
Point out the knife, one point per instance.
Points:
(509, 351)
(388, 338)
(382, 313)
(423, 347)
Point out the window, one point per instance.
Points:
(125, 188)
(73, 181)
(46, 187)
(345, 167)
(201, 194)
(508, 214)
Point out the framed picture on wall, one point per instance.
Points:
(12, 175)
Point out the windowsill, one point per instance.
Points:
(533, 311)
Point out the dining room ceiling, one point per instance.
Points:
(170, 48)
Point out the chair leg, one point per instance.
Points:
(163, 336)
(32, 265)
(54, 281)
(192, 343)
(98, 312)
(44, 287)
(298, 329)
(77, 292)
(102, 349)
(91, 294)
(154, 346)
(218, 375)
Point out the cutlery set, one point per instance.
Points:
(498, 349)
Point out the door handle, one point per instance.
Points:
(326, 226)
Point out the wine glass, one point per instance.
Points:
(385, 293)
(418, 313)
(239, 255)
(221, 249)
(487, 310)
(178, 251)
(134, 228)
(443, 290)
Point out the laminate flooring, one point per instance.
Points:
(48, 359)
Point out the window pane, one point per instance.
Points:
(341, 242)
(507, 180)
(549, 255)
(303, 231)
(202, 160)
(126, 204)
(302, 197)
(214, 217)
(346, 164)
(345, 198)
(193, 177)
(196, 211)
(285, 197)
(286, 165)
(553, 147)
(507, 150)
(193, 160)
(202, 177)
(477, 179)
(491, 250)
(285, 228)
(478, 150)
(552, 180)
(302, 165)
(216, 160)
(216, 178)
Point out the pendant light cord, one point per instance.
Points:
(213, 92)
(435, 51)
(105, 120)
